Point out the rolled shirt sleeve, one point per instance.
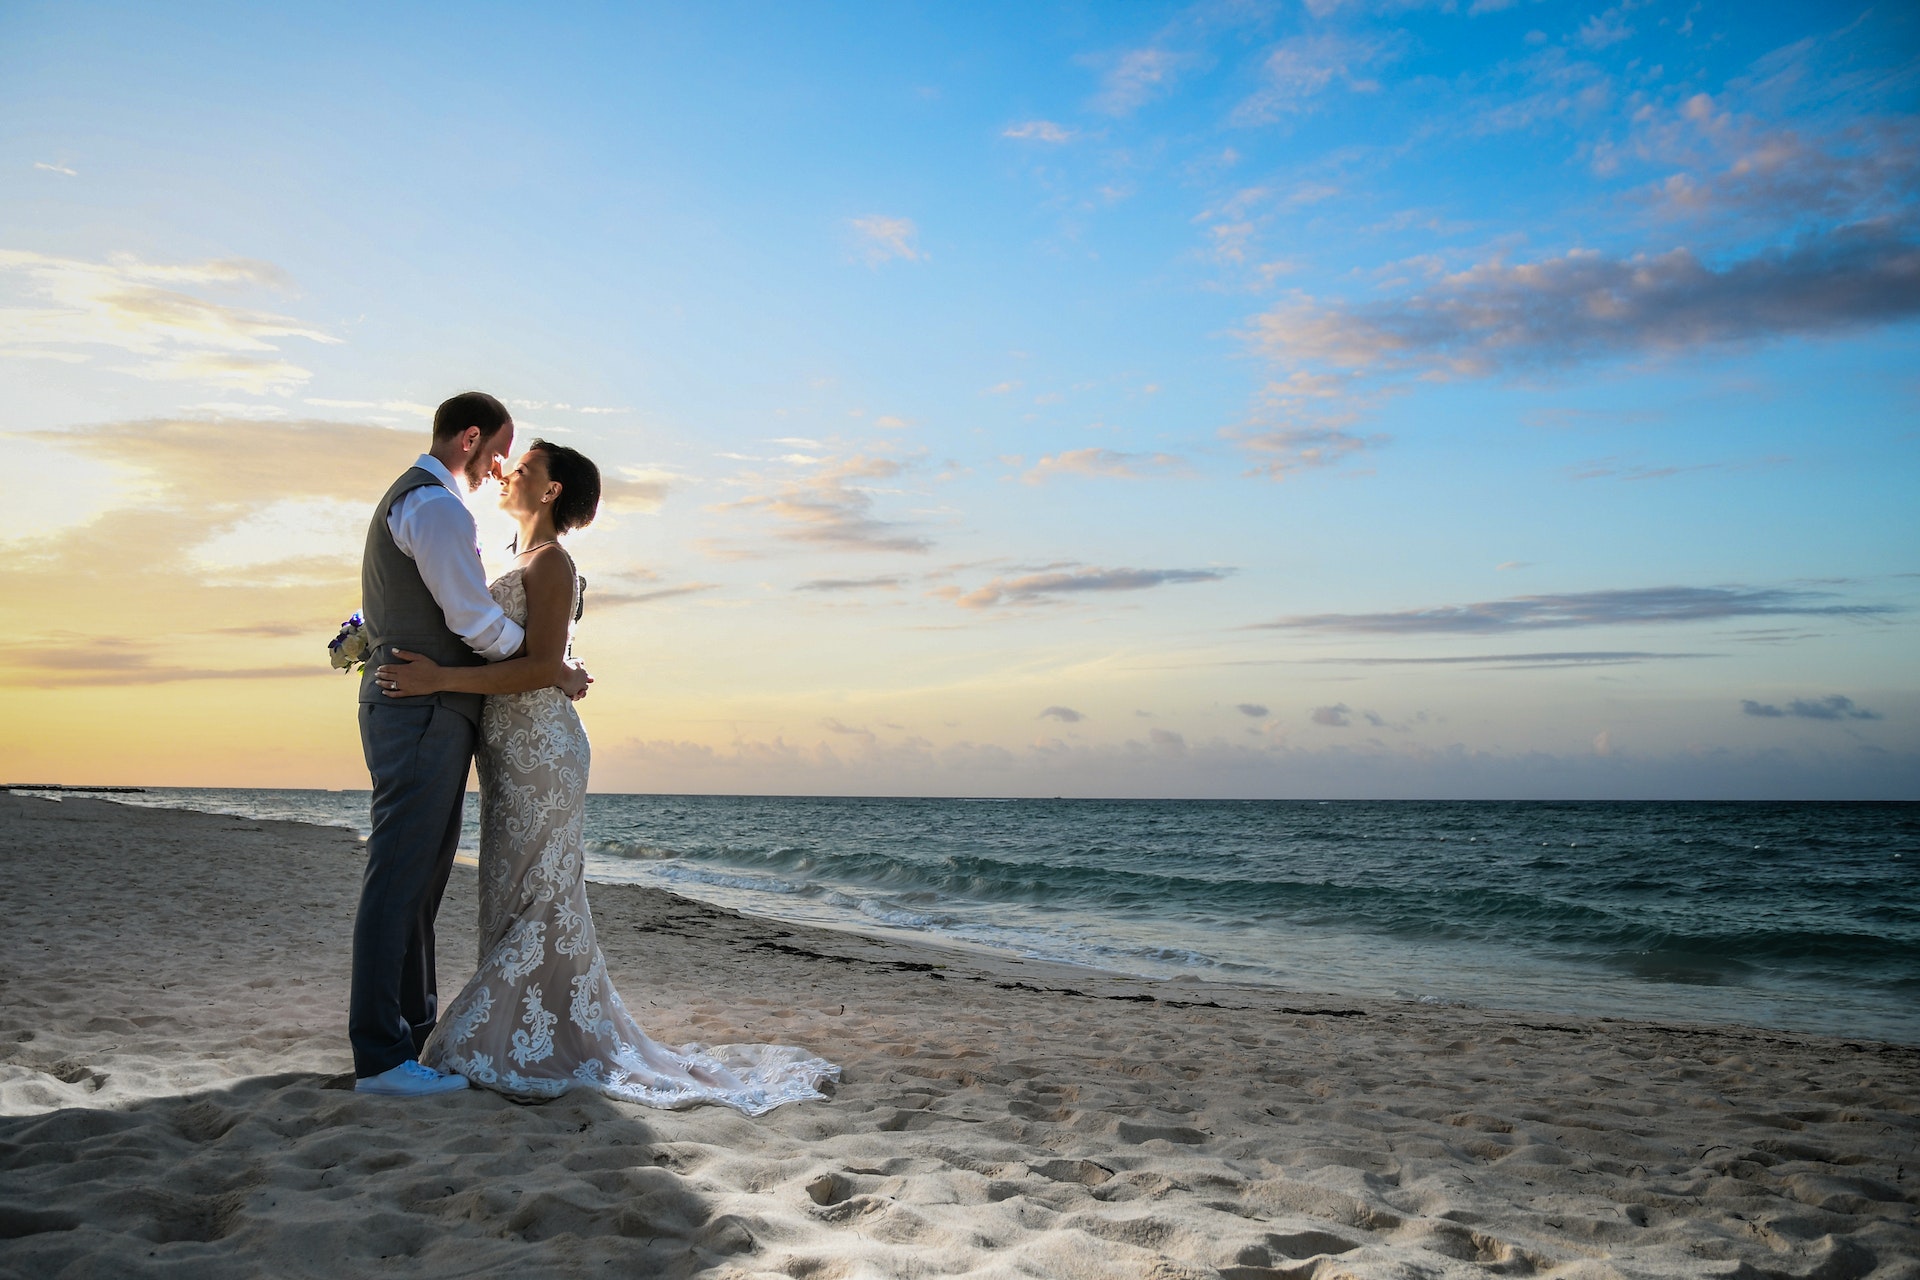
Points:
(433, 526)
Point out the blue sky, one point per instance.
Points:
(1339, 399)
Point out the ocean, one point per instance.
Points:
(1795, 916)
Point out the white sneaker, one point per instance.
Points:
(409, 1080)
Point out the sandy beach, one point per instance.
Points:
(175, 1100)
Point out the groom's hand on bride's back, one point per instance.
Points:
(574, 681)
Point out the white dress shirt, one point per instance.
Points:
(433, 526)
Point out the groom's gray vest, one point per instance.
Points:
(401, 613)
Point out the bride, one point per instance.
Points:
(541, 1016)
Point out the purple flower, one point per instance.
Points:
(350, 646)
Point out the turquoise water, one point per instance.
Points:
(1798, 916)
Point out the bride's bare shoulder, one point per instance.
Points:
(547, 569)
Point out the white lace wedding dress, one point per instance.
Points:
(540, 1016)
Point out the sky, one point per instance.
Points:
(1324, 400)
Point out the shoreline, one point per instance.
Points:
(1349, 966)
(173, 1082)
(1252, 995)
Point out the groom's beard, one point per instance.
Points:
(478, 468)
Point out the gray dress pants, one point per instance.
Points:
(418, 754)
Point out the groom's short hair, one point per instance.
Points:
(469, 409)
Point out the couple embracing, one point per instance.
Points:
(461, 671)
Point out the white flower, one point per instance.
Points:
(351, 646)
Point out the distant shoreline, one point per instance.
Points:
(1081, 799)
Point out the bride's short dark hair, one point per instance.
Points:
(579, 482)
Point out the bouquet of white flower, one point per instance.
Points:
(348, 650)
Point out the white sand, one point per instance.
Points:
(173, 1102)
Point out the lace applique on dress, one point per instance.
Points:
(537, 936)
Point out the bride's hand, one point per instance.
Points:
(418, 674)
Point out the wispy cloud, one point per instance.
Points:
(884, 239)
(234, 463)
(1049, 587)
(1136, 77)
(106, 662)
(1106, 464)
(56, 168)
(75, 309)
(267, 630)
(542, 406)
(595, 598)
(1038, 131)
(1301, 69)
(1066, 715)
(1834, 707)
(217, 538)
(289, 542)
(1552, 86)
(1523, 661)
(1634, 607)
(1801, 233)
(830, 507)
(1603, 29)
(635, 489)
(128, 576)
(1587, 305)
(1614, 469)
(1302, 423)
(885, 582)
(1731, 169)
(1279, 452)
(410, 408)
(1337, 716)
(1252, 710)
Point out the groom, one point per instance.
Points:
(422, 588)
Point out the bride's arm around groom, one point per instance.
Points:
(547, 576)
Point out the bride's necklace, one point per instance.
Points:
(536, 546)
